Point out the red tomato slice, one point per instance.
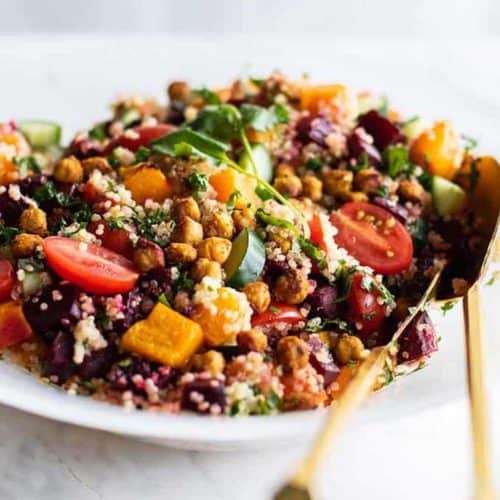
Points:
(278, 313)
(363, 308)
(317, 232)
(7, 280)
(117, 240)
(90, 267)
(373, 236)
(145, 135)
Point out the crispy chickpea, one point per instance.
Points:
(25, 244)
(96, 163)
(312, 187)
(284, 169)
(252, 340)
(258, 295)
(210, 361)
(368, 180)
(178, 91)
(281, 238)
(187, 207)
(181, 252)
(357, 196)
(68, 170)
(291, 287)
(219, 223)
(204, 267)
(215, 248)
(291, 185)
(189, 231)
(292, 353)
(243, 218)
(33, 220)
(147, 255)
(349, 347)
(338, 182)
(411, 191)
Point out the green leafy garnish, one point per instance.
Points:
(162, 299)
(469, 142)
(397, 160)
(314, 164)
(448, 306)
(222, 122)
(263, 119)
(232, 199)
(197, 181)
(26, 165)
(208, 96)
(142, 154)
(98, 132)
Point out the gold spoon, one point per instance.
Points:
(486, 203)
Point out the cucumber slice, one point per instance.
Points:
(448, 198)
(414, 127)
(41, 134)
(262, 159)
(246, 260)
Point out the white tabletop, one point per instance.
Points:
(425, 455)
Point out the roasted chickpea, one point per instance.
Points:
(25, 244)
(312, 187)
(68, 170)
(187, 207)
(292, 353)
(291, 287)
(96, 163)
(356, 196)
(243, 218)
(348, 348)
(284, 169)
(411, 191)
(258, 295)
(147, 255)
(204, 267)
(252, 340)
(215, 248)
(178, 91)
(338, 182)
(290, 185)
(210, 361)
(181, 252)
(188, 231)
(368, 180)
(218, 223)
(33, 220)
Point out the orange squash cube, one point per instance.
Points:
(13, 325)
(319, 97)
(438, 150)
(224, 182)
(164, 336)
(148, 183)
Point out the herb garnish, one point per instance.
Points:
(98, 132)
(26, 165)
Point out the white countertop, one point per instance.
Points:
(422, 456)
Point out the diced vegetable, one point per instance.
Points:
(148, 183)
(414, 127)
(41, 134)
(448, 197)
(13, 325)
(164, 336)
(262, 159)
(223, 316)
(246, 260)
(224, 183)
(315, 98)
(7, 279)
(438, 150)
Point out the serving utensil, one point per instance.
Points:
(485, 201)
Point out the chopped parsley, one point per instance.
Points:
(397, 161)
(26, 165)
(448, 306)
(98, 132)
(7, 234)
(197, 182)
(314, 164)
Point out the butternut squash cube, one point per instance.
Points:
(148, 183)
(164, 336)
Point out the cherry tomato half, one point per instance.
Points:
(278, 313)
(117, 240)
(7, 280)
(90, 267)
(373, 236)
(363, 308)
(134, 138)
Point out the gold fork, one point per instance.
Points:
(299, 485)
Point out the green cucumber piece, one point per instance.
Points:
(414, 127)
(262, 159)
(448, 198)
(246, 260)
(41, 134)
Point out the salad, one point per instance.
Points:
(236, 251)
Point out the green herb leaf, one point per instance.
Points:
(207, 95)
(314, 164)
(142, 154)
(7, 234)
(397, 160)
(469, 142)
(222, 122)
(448, 306)
(162, 299)
(98, 133)
(263, 119)
(197, 181)
(26, 165)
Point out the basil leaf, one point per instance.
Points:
(186, 142)
(222, 122)
(263, 119)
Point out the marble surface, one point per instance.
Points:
(425, 455)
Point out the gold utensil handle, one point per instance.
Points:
(474, 338)
(354, 394)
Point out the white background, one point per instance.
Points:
(429, 58)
